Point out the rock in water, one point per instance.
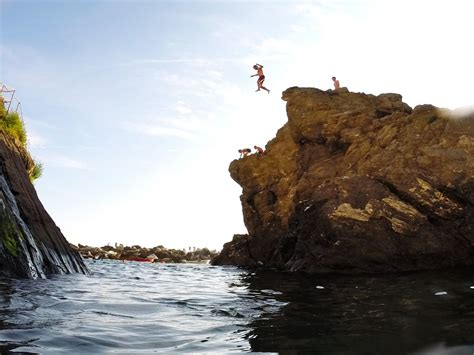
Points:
(31, 245)
(358, 183)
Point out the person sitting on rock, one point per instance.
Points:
(261, 77)
(244, 152)
(258, 150)
(337, 86)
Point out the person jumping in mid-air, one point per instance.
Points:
(261, 77)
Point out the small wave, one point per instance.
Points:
(227, 313)
(102, 313)
(8, 346)
(203, 309)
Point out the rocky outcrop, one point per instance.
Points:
(155, 254)
(358, 183)
(31, 245)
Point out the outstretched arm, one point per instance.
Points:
(253, 75)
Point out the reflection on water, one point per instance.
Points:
(416, 313)
(140, 308)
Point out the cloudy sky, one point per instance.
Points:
(137, 107)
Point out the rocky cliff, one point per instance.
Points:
(31, 245)
(358, 183)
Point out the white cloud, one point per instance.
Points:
(275, 46)
(62, 161)
(158, 130)
(190, 123)
(182, 108)
(36, 140)
(165, 61)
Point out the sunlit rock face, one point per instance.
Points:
(31, 245)
(358, 183)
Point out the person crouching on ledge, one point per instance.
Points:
(244, 152)
(258, 150)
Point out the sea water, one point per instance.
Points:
(132, 308)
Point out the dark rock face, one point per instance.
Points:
(358, 183)
(31, 245)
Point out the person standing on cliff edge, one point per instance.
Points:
(337, 86)
(261, 77)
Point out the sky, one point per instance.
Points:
(136, 108)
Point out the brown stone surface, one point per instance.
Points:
(358, 183)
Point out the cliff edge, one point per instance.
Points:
(31, 245)
(358, 183)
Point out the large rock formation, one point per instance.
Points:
(31, 245)
(358, 183)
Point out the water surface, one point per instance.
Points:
(142, 308)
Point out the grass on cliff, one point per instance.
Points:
(9, 234)
(36, 172)
(12, 124)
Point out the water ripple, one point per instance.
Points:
(142, 307)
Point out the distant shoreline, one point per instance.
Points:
(158, 254)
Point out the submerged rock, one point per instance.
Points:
(358, 183)
(31, 245)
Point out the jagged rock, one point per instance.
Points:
(358, 183)
(31, 245)
(237, 252)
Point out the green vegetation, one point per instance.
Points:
(9, 233)
(12, 124)
(10, 245)
(36, 172)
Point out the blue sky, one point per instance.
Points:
(136, 108)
